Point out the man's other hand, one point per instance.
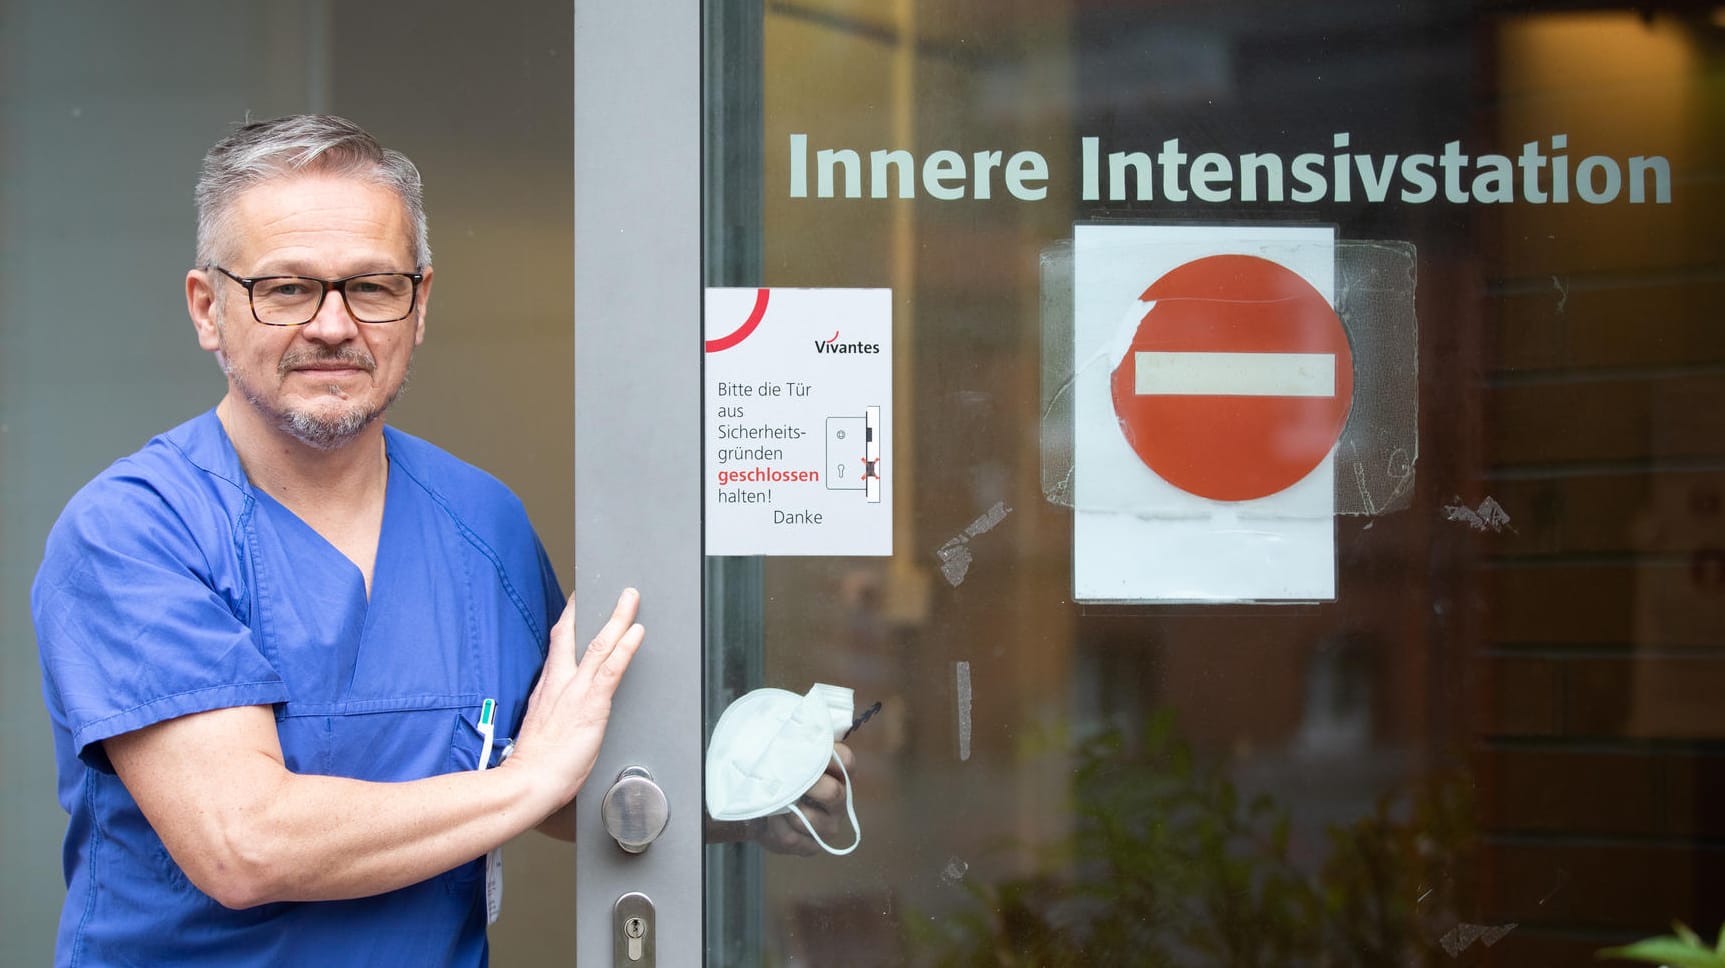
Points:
(783, 833)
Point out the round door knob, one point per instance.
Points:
(635, 810)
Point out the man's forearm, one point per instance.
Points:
(247, 830)
(324, 838)
(254, 832)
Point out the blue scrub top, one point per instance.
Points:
(172, 586)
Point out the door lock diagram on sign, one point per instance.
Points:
(853, 454)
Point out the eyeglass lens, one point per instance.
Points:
(291, 300)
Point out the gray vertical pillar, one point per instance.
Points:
(637, 438)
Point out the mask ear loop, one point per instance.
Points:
(850, 810)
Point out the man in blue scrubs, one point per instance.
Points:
(273, 639)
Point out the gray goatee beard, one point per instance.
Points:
(320, 433)
(327, 434)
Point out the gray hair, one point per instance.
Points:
(258, 151)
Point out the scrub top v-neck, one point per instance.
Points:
(173, 586)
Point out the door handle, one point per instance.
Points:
(635, 810)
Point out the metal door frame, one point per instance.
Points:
(637, 71)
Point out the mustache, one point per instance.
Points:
(347, 356)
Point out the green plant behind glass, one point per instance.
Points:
(1168, 865)
(1682, 949)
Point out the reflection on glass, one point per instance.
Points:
(1510, 711)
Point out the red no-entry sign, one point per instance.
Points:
(1238, 381)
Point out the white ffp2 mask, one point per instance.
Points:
(770, 746)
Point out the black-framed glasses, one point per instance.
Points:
(370, 297)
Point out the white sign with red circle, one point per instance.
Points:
(1213, 379)
(799, 421)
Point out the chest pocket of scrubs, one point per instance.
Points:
(389, 740)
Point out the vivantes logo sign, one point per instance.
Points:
(833, 345)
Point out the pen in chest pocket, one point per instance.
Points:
(487, 731)
(487, 727)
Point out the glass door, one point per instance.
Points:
(1470, 721)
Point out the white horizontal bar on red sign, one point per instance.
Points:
(1235, 374)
